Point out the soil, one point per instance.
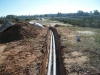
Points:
(23, 55)
(24, 50)
(76, 60)
(2, 47)
(18, 31)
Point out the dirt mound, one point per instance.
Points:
(24, 57)
(18, 31)
(57, 25)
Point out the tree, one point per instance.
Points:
(16, 20)
(80, 13)
(45, 15)
(10, 17)
(96, 12)
(1, 21)
(59, 14)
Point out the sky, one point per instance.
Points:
(32, 7)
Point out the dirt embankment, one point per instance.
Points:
(44, 64)
(24, 51)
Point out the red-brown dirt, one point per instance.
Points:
(18, 31)
(25, 53)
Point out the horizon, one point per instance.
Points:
(38, 7)
(46, 13)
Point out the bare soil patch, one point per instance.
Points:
(2, 57)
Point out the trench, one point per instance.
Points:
(60, 69)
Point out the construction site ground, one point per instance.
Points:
(80, 58)
(29, 56)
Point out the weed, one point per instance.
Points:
(68, 44)
(97, 38)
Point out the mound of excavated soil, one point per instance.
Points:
(24, 57)
(17, 32)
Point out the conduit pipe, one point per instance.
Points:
(54, 57)
(52, 52)
(50, 55)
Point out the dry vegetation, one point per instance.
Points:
(80, 57)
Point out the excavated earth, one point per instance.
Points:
(17, 32)
(23, 50)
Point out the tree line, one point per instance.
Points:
(81, 18)
(92, 21)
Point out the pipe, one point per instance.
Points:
(54, 57)
(50, 55)
(52, 52)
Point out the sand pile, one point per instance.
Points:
(17, 32)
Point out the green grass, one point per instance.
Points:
(97, 38)
(68, 44)
(89, 45)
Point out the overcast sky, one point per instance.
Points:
(32, 7)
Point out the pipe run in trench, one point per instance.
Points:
(52, 53)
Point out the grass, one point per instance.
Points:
(97, 38)
(94, 44)
(32, 40)
(91, 42)
(68, 44)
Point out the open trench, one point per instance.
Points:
(60, 69)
